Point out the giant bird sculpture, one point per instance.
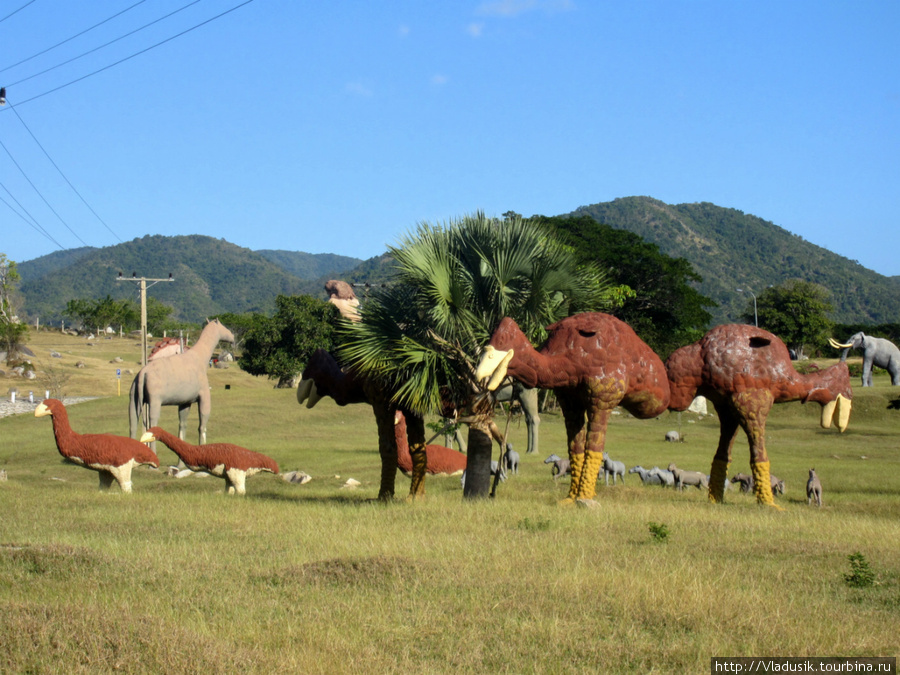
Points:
(593, 362)
(176, 380)
(112, 457)
(324, 377)
(225, 460)
(744, 370)
(401, 433)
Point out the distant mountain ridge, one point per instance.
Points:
(211, 275)
(732, 250)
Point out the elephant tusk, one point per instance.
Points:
(837, 345)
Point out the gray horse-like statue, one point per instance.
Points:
(176, 380)
(876, 351)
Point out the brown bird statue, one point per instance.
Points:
(112, 457)
(744, 370)
(593, 362)
(231, 462)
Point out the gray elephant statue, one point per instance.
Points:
(876, 351)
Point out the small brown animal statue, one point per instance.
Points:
(112, 457)
(744, 370)
(442, 461)
(593, 362)
(813, 489)
(177, 380)
(231, 462)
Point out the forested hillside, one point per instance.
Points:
(726, 247)
(211, 276)
(308, 265)
(731, 250)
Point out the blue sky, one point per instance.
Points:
(336, 127)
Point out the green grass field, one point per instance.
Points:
(180, 578)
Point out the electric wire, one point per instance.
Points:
(16, 11)
(33, 222)
(44, 199)
(65, 178)
(69, 39)
(138, 53)
(96, 49)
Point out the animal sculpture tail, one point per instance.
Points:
(136, 405)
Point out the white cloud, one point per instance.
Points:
(475, 29)
(403, 30)
(438, 80)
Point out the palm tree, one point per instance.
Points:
(420, 337)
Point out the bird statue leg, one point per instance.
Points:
(717, 476)
(762, 485)
(605, 394)
(575, 432)
(728, 427)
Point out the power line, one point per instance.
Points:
(95, 49)
(56, 166)
(34, 187)
(143, 51)
(59, 44)
(16, 11)
(33, 222)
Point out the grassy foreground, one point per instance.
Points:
(320, 579)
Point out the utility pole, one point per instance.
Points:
(143, 285)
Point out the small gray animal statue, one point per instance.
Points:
(876, 351)
(813, 489)
(647, 478)
(613, 468)
(561, 467)
(511, 459)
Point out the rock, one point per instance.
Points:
(29, 375)
(55, 355)
(587, 504)
(297, 477)
(118, 359)
(80, 364)
(351, 483)
(221, 365)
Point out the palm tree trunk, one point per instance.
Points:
(478, 462)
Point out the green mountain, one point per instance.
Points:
(728, 248)
(732, 250)
(211, 276)
(310, 265)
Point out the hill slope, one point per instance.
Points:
(731, 250)
(308, 265)
(211, 276)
